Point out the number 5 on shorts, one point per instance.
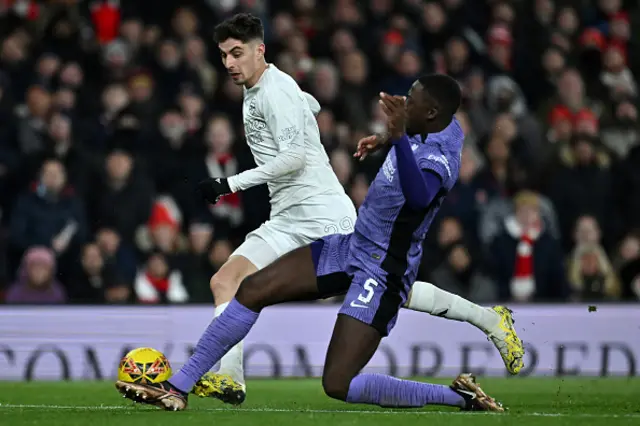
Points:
(368, 287)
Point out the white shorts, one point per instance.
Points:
(296, 227)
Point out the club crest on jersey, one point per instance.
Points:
(252, 106)
(254, 125)
(388, 169)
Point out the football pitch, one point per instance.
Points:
(553, 401)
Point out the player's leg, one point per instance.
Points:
(228, 384)
(367, 315)
(290, 278)
(224, 285)
(496, 322)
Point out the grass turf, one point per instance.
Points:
(570, 401)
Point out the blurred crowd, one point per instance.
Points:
(110, 112)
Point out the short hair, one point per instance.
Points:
(242, 26)
(445, 90)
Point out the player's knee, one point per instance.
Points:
(219, 283)
(336, 386)
(253, 293)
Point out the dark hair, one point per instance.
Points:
(242, 26)
(444, 90)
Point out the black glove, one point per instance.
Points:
(214, 188)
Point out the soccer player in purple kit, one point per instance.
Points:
(376, 265)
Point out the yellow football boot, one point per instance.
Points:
(505, 338)
(222, 387)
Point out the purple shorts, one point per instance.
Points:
(373, 295)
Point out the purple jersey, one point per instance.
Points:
(388, 232)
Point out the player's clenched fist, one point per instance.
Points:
(394, 108)
(214, 188)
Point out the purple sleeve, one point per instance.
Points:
(419, 187)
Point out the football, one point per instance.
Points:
(144, 365)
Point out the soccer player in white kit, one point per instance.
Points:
(307, 200)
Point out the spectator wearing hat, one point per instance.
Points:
(500, 56)
(571, 94)
(591, 44)
(560, 124)
(138, 83)
(105, 16)
(36, 283)
(162, 230)
(617, 76)
(527, 260)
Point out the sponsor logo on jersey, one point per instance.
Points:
(388, 169)
(442, 160)
(288, 134)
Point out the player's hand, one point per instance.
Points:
(212, 189)
(394, 108)
(370, 144)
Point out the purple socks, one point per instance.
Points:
(387, 391)
(222, 334)
(234, 324)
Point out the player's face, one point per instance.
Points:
(241, 60)
(420, 109)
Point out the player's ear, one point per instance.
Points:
(261, 49)
(432, 113)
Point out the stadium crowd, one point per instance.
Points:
(111, 112)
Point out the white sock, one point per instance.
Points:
(426, 297)
(232, 362)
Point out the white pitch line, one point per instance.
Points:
(312, 411)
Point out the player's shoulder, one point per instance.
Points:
(278, 84)
(452, 136)
(442, 152)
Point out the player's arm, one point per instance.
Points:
(419, 186)
(284, 113)
(371, 144)
(313, 103)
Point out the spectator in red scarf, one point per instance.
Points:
(527, 261)
(156, 282)
(220, 161)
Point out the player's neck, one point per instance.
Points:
(256, 77)
(436, 127)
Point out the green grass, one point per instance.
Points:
(530, 401)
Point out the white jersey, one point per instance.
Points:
(283, 136)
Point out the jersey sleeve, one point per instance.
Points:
(283, 111)
(436, 162)
(314, 105)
